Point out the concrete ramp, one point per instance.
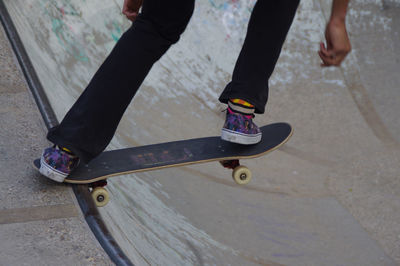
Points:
(330, 196)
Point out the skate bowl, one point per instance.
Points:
(330, 196)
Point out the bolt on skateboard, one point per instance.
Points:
(175, 154)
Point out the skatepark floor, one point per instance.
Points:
(40, 221)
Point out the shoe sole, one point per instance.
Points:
(50, 172)
(240, 138)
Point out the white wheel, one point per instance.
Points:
(241, 175)
(100, 196)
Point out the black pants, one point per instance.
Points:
(90, 124)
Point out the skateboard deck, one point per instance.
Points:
(174, 154)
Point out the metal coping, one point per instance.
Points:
(82, 193)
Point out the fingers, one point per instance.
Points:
(330, 57)
(327, 61)
(131, 8)
(324, 50)
(130, 15)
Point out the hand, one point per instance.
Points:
(131, 9)
(338, 44)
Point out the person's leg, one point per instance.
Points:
(90, 124)
(268, 26)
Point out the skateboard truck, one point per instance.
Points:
(241, 174)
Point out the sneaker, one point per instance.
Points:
(239, 128)
(57, 164)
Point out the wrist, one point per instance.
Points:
(337, 20)
(338, 11)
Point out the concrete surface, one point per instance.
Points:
(331, 196)
(40, 224)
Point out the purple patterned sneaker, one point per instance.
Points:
(57, 164)
(239, 128)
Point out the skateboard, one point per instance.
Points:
(174, 154)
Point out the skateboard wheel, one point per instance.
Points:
(100, 196)
(241, 175)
